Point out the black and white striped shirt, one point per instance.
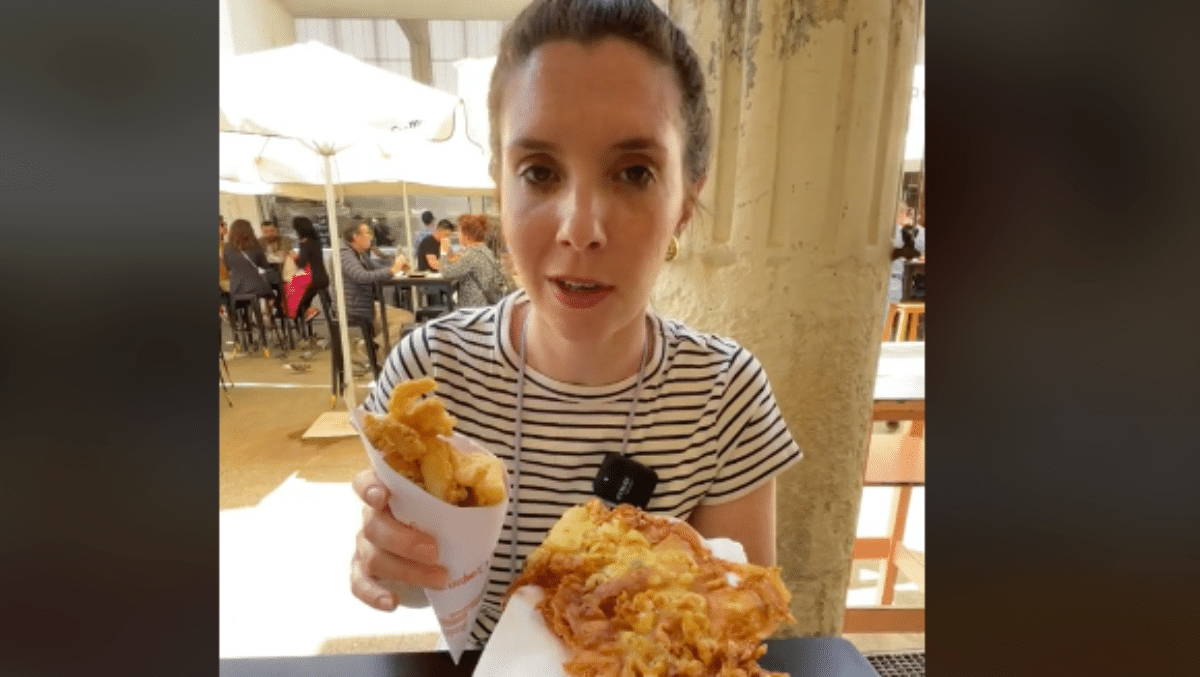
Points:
(706, 422)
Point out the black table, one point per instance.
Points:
(796, 656)
(447, 284)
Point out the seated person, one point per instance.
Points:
(246, 264)
(431, 247)
(428, 259)
(908, 242)
(276, 248)
(360, 273)
(483, 279)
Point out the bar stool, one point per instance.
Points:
(904, 321)
(899, 464)
(279, 314)
(306, 326)
(247, 315)
(336, 364)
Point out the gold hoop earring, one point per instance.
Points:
(673, 248)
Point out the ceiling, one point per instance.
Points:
(449, 10)
(407, 9)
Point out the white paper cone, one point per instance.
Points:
(466, 539)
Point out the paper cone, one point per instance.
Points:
(466, 539)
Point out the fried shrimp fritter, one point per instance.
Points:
(634, 594)
(410, 439)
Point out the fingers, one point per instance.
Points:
(373, 563)
(385, 532)
(383, 529)
(368, 487)
(386, 548)
(368, 590)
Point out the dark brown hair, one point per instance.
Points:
(304, 227)
(474, 226)
(588, 21)
(241, 235)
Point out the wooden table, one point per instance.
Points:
(404, 281)
(900, 382)
(795, 656)
(899, 396)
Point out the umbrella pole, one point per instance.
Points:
(339, 289)
(408, 221)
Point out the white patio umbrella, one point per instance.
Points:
(399, 163)
(474, 78)
(377, 103)
(233, 187)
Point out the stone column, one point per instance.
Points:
(417, 32)
(790, 256)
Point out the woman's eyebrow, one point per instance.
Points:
(638, 143)
(633, 144)
(529, 143)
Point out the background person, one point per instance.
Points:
(908, 242)
(360, 273)
(483, 280)
(247, 265)
(310, 255)
(245, 260)
(430, 251)
(588, 220)
(424, 231)
(275, 247)
(429, 260)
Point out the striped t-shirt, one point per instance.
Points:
(706, 422)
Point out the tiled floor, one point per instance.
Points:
(288, 519)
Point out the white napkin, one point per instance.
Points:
(523, 645)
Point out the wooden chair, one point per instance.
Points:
(904, 321)
(897, 463)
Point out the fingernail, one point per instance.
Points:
(426, 552)
(374, 496)
(385, 601)
(440, 579)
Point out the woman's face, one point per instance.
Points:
(591, 181)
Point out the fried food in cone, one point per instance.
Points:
(409, 439)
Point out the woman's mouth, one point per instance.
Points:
(580, 293)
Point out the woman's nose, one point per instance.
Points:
(581, 219)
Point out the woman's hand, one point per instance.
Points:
(387, 549)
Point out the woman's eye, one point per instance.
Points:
(639, 175)
(537, 174)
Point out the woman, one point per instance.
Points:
(310, 255)
(246, 263)
(245, 259)
(483, 280)
(599, 140)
